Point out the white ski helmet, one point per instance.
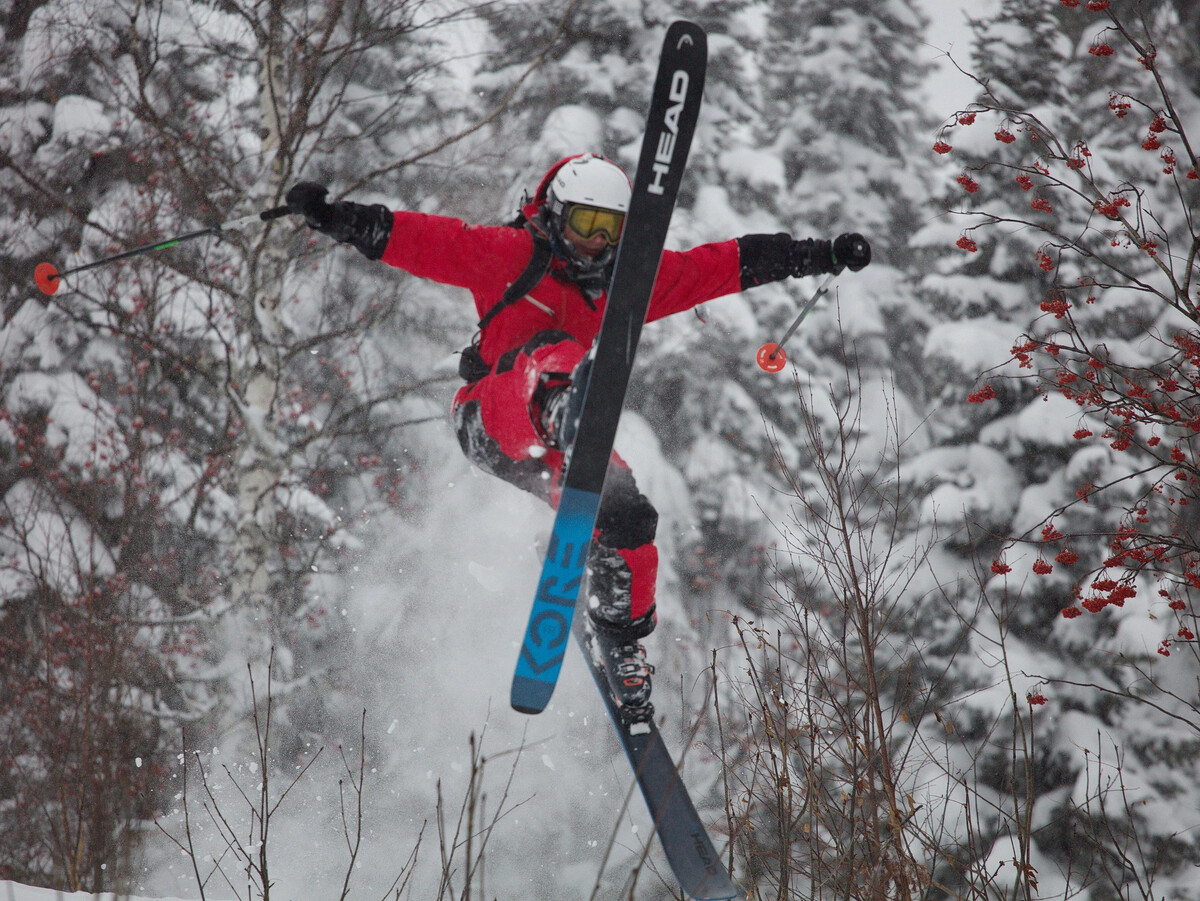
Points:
(590, 180)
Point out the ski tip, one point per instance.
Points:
(683, 33)
(47, 278)
(530, 695)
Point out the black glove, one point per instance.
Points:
(851, 251)
(307, 199)
(366, 227)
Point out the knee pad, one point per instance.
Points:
(626, 518)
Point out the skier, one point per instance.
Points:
(539, 287)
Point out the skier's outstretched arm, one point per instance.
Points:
(692, 277)
(441, 248)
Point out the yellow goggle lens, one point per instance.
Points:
(589, 221)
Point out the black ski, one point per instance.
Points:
(688, 848)
(674, 109)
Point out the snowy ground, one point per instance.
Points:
(14, 891)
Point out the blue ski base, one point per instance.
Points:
(545, 643)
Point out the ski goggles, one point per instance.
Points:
(589, 221)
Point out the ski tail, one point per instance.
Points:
(685, 842)
(545, 643)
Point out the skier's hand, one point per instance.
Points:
(307, 199)
(851, 251)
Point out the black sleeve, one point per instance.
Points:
(771, 258)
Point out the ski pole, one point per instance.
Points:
(771, 357)
(48, 277)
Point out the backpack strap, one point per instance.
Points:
(535, 271)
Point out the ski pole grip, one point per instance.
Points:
(277, 212)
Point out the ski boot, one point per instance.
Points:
(552, 401)
(557, 407)
(628, 675)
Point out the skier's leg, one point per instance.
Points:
(623, 566)
(622, 570)
(527, 472)
(502, 428)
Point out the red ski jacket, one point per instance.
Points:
(487, 259)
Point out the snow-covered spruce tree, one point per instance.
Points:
(184, 435)
(845, 85)
(797, 139)
(1078, 268)
(847, 116)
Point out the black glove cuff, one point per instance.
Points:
(368, 228)
(770, 258)
(764, 258)
(813, 257)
